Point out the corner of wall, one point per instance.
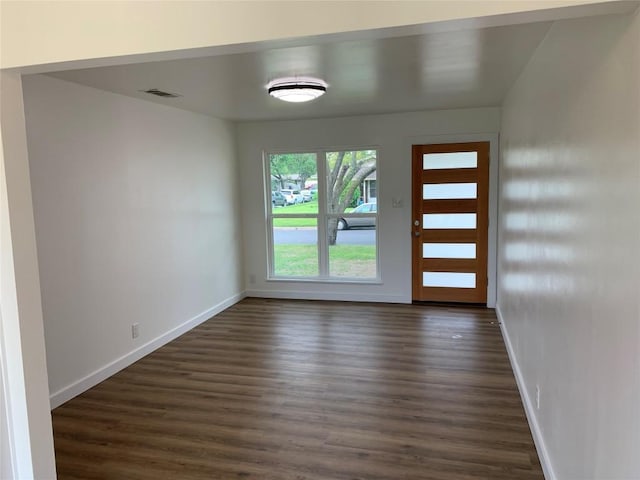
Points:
(527, 402)
(70, 391)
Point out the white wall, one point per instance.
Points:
(22, 332)
(42, 32)
(569, 274)
(7, 459)
(136, 222)
(393, 135)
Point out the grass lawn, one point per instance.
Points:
(357, 261)
(309, 207)
(295, 222)
(299, 209)
(296, 260)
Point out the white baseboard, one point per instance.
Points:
(529, 408)
(67, 393)
(329, 296)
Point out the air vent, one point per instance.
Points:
(160, 93)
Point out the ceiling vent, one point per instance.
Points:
(160, 93)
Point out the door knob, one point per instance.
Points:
(417, 223)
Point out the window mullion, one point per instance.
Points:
(266, 170)
(323, 252)
(270, 260)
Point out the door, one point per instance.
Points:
(450, 222)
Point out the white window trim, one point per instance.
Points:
(322, 216)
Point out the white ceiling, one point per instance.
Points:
(461, 64)
(455, 69)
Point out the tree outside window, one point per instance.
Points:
(319, 235)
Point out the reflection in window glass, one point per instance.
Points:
(449, 279)
(295, 250)
(437, 161)
(449, 220)
(449, 250)
(439, 191)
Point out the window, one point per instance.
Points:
(325, 228)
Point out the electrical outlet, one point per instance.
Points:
(135, 330)
(537, 397)
(252, 279)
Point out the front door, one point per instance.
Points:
(450, 222)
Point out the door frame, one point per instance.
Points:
(492, 241)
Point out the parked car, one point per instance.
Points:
(306, 195)
(349, 222)
(292, 196)
(277, 199)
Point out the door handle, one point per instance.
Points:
(417, 224)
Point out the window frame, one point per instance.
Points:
(322, 217)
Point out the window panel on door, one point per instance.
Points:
(449, 279)
(443, 191)
(449, 220)
(450, 186)
(438, 161)
(449, 250)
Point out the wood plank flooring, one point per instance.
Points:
(304, 390)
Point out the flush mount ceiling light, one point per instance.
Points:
(298, 89)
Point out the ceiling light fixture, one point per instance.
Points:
(160, 93)
(297, 89)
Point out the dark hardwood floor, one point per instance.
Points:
(304, 390)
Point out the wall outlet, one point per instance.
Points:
(135, 330)
(252, 279)
(397, 202)
(537, 397)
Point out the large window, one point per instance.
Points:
(322, 215)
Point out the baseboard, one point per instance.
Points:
(330, 296)
(529, 409)
(67, 393)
